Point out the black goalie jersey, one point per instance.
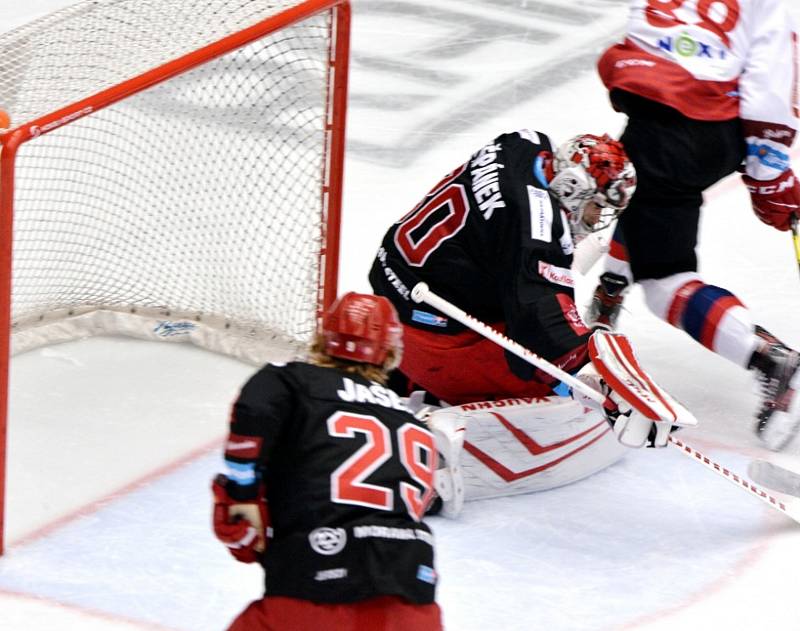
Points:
(490, 238)
(348, 473)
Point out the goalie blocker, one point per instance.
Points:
(521, 445)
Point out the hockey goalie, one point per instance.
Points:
(520, 445)
(496, 237)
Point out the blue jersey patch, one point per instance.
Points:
(769, 156)
(426, 574)
(241, 473)
(562, 390)
(423, 317)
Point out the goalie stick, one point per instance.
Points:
(422, 293)
(796, 240)
(775, 477)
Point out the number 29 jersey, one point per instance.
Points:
(348, 473)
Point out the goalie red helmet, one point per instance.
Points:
(362, 328)
(595, 169)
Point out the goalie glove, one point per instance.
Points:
(634, 430)
(240, 525)
(776, 201)
(631, 428)
(639, 411)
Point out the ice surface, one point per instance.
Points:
(113, 442)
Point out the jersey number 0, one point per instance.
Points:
(438, 217)
(417, 454)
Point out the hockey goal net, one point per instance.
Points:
(172, 170)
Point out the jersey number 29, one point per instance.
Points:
(347, 481)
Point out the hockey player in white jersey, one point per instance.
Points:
(708, 88)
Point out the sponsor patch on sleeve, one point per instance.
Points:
(426, 574)
(541, 210)
(431, 319)
(557, 275)
(247, 447)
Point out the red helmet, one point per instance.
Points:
(362, 328)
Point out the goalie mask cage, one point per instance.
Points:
(172, 171)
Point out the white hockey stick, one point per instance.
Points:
(788, 508)
(422, 293)
(775, 477)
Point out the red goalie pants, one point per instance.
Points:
(463, 368)
(384, 613)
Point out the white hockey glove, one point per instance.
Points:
(639, 411)
(631, 428)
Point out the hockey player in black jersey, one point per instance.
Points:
(328, 477)
(496, 237)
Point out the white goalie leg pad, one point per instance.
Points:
(613, 357)
(415, 402)
(447, 426)
(521, 445)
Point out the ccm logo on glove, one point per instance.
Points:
(775, 201)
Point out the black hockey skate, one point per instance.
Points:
(768, 337)
(776, 367)
(603, 310)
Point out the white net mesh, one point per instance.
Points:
(199, 198)
(95, 44)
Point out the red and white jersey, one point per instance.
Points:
(716, 60)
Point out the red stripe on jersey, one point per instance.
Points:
(713, 317)
(571, 314)
(679, 300)
(246, 447)
(568, 362)
(617, 251)
(628, 67)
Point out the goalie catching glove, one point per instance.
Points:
(639, 411)
(240, 525)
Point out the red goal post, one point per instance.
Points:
(172, 171)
